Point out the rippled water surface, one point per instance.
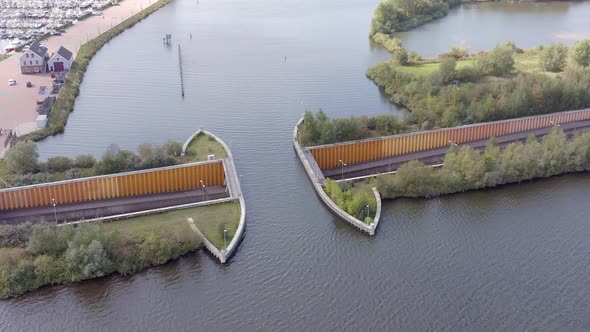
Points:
(515, 258)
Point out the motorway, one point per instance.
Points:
(102, 208)
(435, 156)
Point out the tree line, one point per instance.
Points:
(36, 255)
(24, 167)
(487, 90)
(467, 169)
(318, 128)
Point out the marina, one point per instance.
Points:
(22, 21)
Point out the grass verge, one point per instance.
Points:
(203, 145)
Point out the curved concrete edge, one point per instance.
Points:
(224, 254)
(189, 140)
(370, 229)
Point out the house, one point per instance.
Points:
(61, 61)
(34, 60)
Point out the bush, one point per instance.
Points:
(23, 158)
(499, 61)
(59, 164)
(468, 74)
(15, 235)
(553, 57)
(581, 53)
(173, 148)
(48, 239)
(84, 161)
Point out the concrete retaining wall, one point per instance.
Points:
(234, 188)
(370, 229)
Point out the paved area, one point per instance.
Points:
(18, 103)
(435, 156)
(101, 208)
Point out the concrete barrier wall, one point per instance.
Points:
(370, 229)
(329, 156)
(157, 180)
(235, 190)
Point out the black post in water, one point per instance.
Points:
(180, 66)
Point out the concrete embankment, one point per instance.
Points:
(235, 194)
(317, 181)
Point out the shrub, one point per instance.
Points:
(15, 235)
(49, 240)
(581, 53)
(23, 158)
(84, 161)
(59, 164)
(553, 57)
(499, 61)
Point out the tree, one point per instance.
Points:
(23, 158)
(87, 261)
(499, 61)
(59, 164)
(400, 55)
(447, 71)
(84, 161)
(553, 57)
(581, 53)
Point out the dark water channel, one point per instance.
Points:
(515, 258)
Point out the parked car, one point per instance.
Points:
(29, 84)
(56, 33)
(11, 82)
(62, 30)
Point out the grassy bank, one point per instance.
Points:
(356, 198)
(4, 56)
(504, 83)
(32, 256)
(203, 145)
(212, 220)
(64, 104)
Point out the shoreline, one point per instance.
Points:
(66, 98)
(17, 111)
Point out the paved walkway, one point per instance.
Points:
(435, 156)
(18, 103)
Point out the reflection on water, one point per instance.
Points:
(514, 258)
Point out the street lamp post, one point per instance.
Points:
(342, 168)
(224, 238)
(203, 190)
(368, 207)
(54, 209)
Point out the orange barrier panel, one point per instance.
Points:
(175, 178)
(330, 156)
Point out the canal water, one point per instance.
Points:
(513, 258)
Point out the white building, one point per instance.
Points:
(60, 61)
(34, 60)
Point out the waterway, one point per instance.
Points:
(514, 258)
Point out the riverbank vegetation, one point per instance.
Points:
(468, 169)
(318, 129)
(64, 104)
(356, 198)
(4, 56)
(488, 87)
(202, 146)
(33, 256)
(21, 165)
